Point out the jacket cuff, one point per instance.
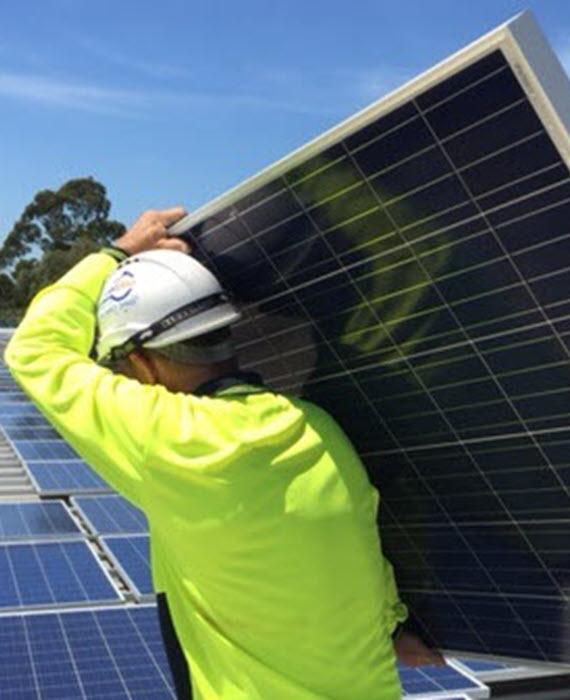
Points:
(114, 251)
(397, 614)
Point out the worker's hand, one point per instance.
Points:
(149, 232)
(411, 651)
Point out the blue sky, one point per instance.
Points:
(174, 102)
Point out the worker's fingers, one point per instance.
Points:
(174, 243)
(170, 216)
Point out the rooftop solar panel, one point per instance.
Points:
(39, 432)
(106, 653)
(132, 557)
(13, 396)
(44, 450)
(24, 421)
(17, 409)
(439, 682)
(111, 514)
(63, 478)
(408, 271)
(52, 573)
(36, 520)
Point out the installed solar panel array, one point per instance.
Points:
(409, 272)
(49, 563)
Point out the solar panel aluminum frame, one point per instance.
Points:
(527, 51)
(61, 606)
(137, 594)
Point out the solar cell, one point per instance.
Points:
(408, 271)
(105, 653)
(132, 557)
(62, 478)
(53, 573)
(111, 514)
(36, 520)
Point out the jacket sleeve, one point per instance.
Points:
(104, 416)
(396, 610)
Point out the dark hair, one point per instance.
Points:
(201, 349)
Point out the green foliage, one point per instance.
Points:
(66, 225)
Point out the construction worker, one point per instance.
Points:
(264, 545)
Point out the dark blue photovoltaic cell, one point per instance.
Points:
(111, 514)
(434, 679)
(65, 478)
(109, 653)
(36, 520)
(132, 555)
(44, 450)
(51, 573)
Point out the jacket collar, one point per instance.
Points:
(219, 384)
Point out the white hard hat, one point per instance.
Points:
(157, 298)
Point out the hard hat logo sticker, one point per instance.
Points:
(122, 287)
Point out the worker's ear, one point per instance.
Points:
(144, 367)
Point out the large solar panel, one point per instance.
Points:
(111, 514)
(53, 573)
(107, 653)
(63, 478)
(132, 558)
(408, 271)
(35, 520)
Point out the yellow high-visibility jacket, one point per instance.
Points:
(262, 517)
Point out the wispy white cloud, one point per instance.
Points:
(330, 88)
(45, 90)
(371, 84)
(133, 103)
(137, 64)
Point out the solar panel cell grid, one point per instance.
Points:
(44, 450)
(35, 520)
(111, 514)
(90, 654)
(60, 478)
(32, 433)
(133, 558)
(435, 681)
(51, 574)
